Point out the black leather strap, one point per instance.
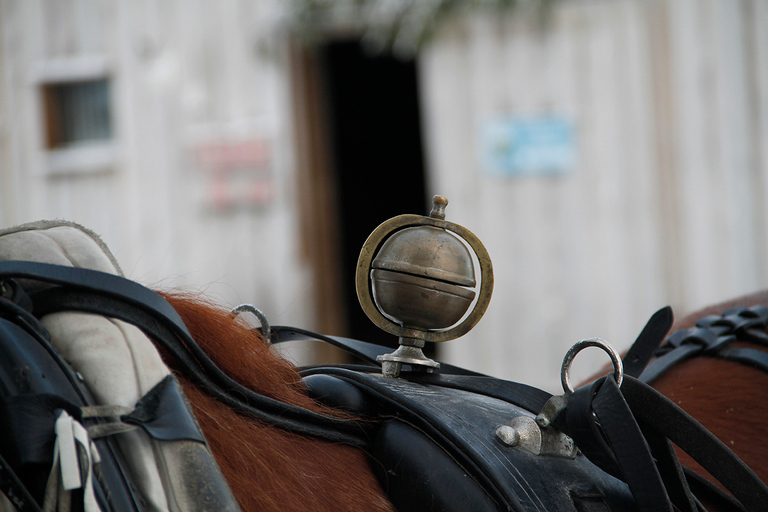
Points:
(594, 416)
(162, 413)
(612, 427)
(712, 336)
(652, 335)
(578, 422)
(361, 349)
(670, 470)
(657, 411)
(603, 427)
(628, 445)
(14, 489)
(659, 366)
(748, 356)
(521, 395)
(100, 283)
(515, 393)
(109, 295)
(706, 490)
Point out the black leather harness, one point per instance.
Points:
(713, 336)
(432, 436)
(625, 433)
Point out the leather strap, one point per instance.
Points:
(748, 356)
(657, 411)
(598, 417)
(671, 471)
(14, 490)
(580, 425)
(603, 427)
(652, 335)
(457, 421)
(364, 350)
(612, 427)
(109, 295)
(161, 413)
(712, 336)
(361, 349)
(628, 445)
(515, 393)
(654, 370)
(703, 488)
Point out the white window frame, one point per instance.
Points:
(98, 156)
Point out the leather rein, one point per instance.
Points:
(619, 428)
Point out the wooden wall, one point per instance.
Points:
(667, 201)
(197, 189)
(666, 204)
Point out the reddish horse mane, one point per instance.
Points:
(270, 469)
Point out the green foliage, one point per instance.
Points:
(397, 26)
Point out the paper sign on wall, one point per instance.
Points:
(515, 146)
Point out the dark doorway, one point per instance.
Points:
(376, 153)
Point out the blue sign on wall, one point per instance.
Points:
(514, 146)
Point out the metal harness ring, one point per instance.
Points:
(618, 367)
(266, 330)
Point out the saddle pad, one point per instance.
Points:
(119, 365)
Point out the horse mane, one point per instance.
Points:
(266, 467)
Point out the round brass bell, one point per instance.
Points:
(416, 279)
(420, 277)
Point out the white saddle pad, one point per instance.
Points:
(118, 362)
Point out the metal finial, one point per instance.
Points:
(416, 279)
(438, 207)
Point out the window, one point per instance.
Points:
(76, 112)
(77, 130)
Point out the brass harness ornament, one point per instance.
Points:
(416, 279)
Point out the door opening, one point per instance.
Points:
(376, 155)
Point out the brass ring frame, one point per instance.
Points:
(363, 283)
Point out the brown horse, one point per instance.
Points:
(270, 469)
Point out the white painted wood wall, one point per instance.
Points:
(667, 204)
(183, 73)
(668, 201)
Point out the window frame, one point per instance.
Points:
(88, 156)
